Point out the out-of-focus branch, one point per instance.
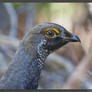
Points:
(31, 16)
(13, 19)
(7, 40)
(61, 60)
(75, 79)
(8, 46)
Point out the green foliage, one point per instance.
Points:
(16, 5)
(44, 6)
(65, 8)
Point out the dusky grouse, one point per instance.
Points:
(25, 68)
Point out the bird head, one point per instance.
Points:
(51, 36)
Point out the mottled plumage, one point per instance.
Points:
(25, 68)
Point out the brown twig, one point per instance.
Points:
(76, 77)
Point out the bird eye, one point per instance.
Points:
(50, 33)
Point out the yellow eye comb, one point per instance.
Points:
(54, 29)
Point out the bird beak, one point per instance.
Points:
(73, 38)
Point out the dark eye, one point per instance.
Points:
(50, 33)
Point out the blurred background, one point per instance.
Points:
(70, 67)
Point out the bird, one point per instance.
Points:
(25, 68)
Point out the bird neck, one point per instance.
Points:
(42, 54)
(24, 71)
